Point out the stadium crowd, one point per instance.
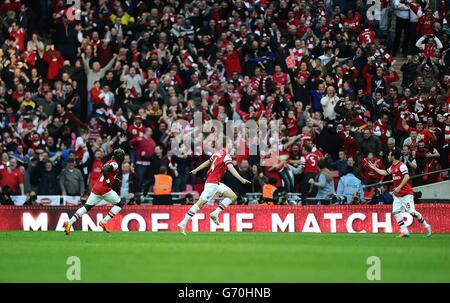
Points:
(79, 82)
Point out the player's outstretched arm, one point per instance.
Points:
(201, 166)
(382, 172)
(234, 172)
(291, 141)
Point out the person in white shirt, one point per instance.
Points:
(329, 102)
(129, 184)
(327, 56)
(412, 140)
(133, 80)
(402, 25)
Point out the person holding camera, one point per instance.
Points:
(350, 187)
(5, 196)
(382, 196)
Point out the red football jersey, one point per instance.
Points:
(367, 36)
(367, 173)
(101, 187)
(425, 135)
(96, 171)
(135, 131)
(398, 171)
(310, 162)
(292, 127)
(219, 161)
(281, 80)
(19, 36)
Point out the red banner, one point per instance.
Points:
(370, 219)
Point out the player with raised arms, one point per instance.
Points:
(403, 192)
(102, 191)
(218, 163)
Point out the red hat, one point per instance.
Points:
(137, 117)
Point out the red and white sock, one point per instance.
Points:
(192, 211)
(222, 205)
(78, 214)
(114, 211)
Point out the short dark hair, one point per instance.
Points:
(163, 170)
(349, 170)
(119, 154)
(322, 164)
(396, 153)
(272, 181)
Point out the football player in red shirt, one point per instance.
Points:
(403, 192)
(102, 192)
(218, 163)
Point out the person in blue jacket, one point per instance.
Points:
(350, 187)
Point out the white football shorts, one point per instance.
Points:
(211, 189)
(402, 204)
(111, 197)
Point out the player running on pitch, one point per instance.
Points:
(102, 191)
(403, 193)
(219, 162)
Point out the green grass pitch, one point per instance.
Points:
(222, 257)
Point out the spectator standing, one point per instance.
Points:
(71, 180)
(341, 163)
(94, 74)
(325, 182)
(409, 70)
(328, 103)
(369, 144)
(409, 160)
(425, 23)
(402, 26)
(12, 177)
(162, 188)
(309, 165)
(368, 175)
(128, 187)
(415, 13)
(145, 149)
(48, 184)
